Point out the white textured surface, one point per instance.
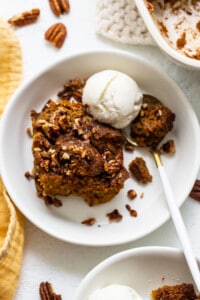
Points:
(45, 258)
(121, 22)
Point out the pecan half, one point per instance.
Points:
(47, 292)
(25, 18)
(59, 7)
(56, 34)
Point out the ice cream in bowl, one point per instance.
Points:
(115, 292)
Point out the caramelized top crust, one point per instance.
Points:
(68, 136)
(74, 154)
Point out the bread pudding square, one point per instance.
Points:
(75, 155)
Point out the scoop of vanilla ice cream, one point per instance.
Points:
(115, 292)
(113, 98)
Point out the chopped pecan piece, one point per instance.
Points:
(132, 194)
(57, 202)
(89, 221)
(29, 132)
(168, 147)
(114, 216)
(47, 292)
(28, 175)
(52, 201)
(73, 89)
(129, 147)
(132, 212)
(112, 166)
(195, 192)
(25, 18)
(56, 34)
(142, 195)
(150, 7)
(59, 7)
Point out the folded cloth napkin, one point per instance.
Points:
(120, 21)
(11, 220)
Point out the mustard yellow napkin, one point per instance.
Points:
(11, 221)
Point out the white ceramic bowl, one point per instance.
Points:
(65, 222)
(143, 269)
(161, 42)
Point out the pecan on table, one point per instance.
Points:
(195, 192)
(47, 292)
(59, 7)
(56, 34)
(25, 18)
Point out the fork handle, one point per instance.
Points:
(180, 227)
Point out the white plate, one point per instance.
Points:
(144, 269)
(65, 222)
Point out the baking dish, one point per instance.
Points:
(175, 27)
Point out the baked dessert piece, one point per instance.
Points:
(152, 124)
(139, 170)
(74, 154)
(184, 291)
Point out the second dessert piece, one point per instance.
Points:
(184, 291)
(152, 124)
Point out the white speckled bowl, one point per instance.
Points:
(174, 54)
(143, 269)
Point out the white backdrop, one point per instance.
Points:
(46, 258)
